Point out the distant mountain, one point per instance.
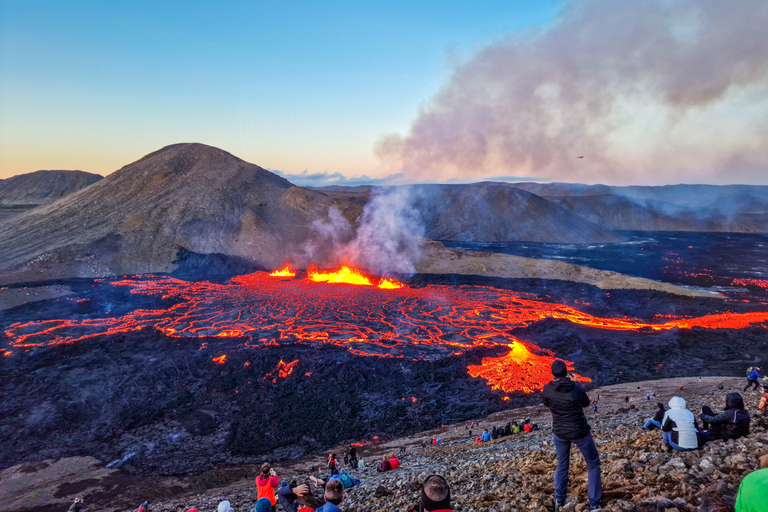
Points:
(724, 208)
(497, 212)
(188, 196)
(26, 191)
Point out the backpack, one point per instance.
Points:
(749, 370)
(347, 481)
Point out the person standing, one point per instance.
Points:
(266, 483)
(567, 401)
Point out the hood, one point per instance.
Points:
(563, 384)
(676, 403)
(734, 401)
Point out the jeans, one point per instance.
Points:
(650, 422)
(588, 449)
(666, 438)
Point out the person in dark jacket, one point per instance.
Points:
(732, 423)
(753, 378)
(567, 400)
(655, 422)
(293, 497)
(384, 465)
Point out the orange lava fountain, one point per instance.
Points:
(418, 323)
(345, 275)
(283, 272)
(520, 369)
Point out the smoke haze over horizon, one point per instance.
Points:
(616, 92)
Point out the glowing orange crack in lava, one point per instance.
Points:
(423, 323)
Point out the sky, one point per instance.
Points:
(349, 92)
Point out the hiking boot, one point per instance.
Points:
(558, 506)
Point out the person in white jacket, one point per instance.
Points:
(679, 427)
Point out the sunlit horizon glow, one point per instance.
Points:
(352, 93)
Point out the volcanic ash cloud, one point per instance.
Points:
(643, 91)
(387, 240)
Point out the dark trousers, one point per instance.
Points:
(563, 452)
(751, 382)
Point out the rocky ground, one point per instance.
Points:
(509, 474)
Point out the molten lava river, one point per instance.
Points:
(372, 317)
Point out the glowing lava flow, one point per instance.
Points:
(418, 323)
(520, 369)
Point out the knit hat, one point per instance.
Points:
(559, 369)
(224, 506)
(435, 493)
(263, 505)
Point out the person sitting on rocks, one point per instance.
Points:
(394, 462)
(333, 495)
(486, 436)
(732, 423)
(753, 378)
(76, 505)
(435, 496)
(266, 483)
(679, 427)
(655, 422)
(225, 506)
(753, 491)
(384, 465)
(763, 394)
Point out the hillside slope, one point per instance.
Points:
(187, 196)
(21, 193)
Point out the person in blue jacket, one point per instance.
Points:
(753, 378)
(486, 436)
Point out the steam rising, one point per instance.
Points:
(388, 239)
(646, 92)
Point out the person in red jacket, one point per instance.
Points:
(266, 483)
(394, 462)
(435, 495)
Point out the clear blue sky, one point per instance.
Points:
(288, 85)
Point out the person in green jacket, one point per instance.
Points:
(753, 491)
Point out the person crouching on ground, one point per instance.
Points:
(732, 423)
(334, 493)
(435, 496)
(266, 483)
(679, 427)
(655, 422)
(567, 400)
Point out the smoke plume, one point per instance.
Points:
(387, 240)
(617, 92)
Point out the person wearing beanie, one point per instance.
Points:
(266, 483)
(753, 491)
(262, 505)
(567, 401)
(732, 423)
(435, 496)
